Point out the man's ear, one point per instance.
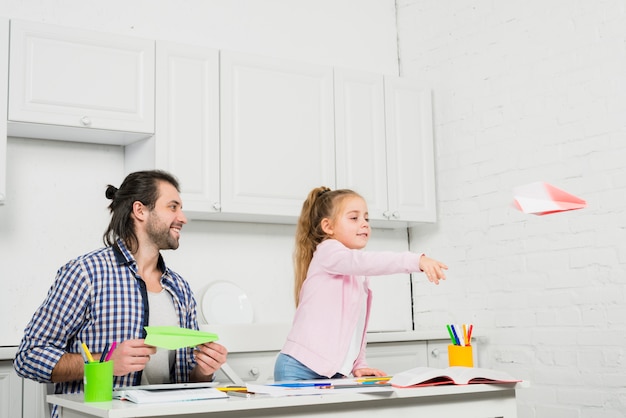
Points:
(139, 210)
(327, 226)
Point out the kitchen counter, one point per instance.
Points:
(8, 353)
(468, 401)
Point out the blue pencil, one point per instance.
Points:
(456, 336)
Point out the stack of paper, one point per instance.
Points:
(169, 395)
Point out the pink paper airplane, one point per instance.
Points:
(541, 198)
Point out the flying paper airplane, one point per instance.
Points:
(541, 198)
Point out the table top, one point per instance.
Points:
(124, 409)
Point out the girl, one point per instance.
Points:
(327, 338)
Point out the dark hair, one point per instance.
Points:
(139, 186)
(320, 203)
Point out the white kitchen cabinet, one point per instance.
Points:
(79, 85)
(4, 82)
(385, 146)
(410, 153)
(277, 135)
(396, 357)
(10, 391)
(186, 140)
(360, 138)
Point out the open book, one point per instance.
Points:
(429, 376)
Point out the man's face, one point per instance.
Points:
(167, 218)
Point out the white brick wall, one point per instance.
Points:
(528, 91)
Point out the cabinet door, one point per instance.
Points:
(277, 139)
(4, 82)
(396, 357)
(79, 79)
(10, 391)
(360, 138)
(187, 125)
(410, 158)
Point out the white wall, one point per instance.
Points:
(527, 91)
(55, 208)
(356, 34)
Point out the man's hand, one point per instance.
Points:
(209, 358)
(131, 356)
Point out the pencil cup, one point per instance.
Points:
(459, 355)
(98, 381)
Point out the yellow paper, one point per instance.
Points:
(175, 337)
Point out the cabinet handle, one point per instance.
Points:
(217, 206)
(435, 353)
(254, 371)
(386, 214)
(85, 121)
(396, 214)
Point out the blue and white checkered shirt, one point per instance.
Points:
(99, 298)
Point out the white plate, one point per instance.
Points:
(226, 303)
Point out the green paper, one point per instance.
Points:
(175, 337)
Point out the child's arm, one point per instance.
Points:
(433, 269)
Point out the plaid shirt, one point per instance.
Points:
(99, 298)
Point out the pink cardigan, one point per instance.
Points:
(328, 311)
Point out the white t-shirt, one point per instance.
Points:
(162, 312)
(357, 336)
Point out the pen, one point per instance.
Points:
(104, 353)
(302, 385)
(110, 353)
(469, 334)
(87, 352)
(241, 394)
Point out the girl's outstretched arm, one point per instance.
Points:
(433, 269)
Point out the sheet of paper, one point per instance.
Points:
(173, 338)
(541, 198)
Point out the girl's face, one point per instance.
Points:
(351, 224)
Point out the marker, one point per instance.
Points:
(373, 379)
(451, 334)
(87, 353)
(465, 342)
(233, 389)
(82, 353)
(456, 337)
(110, 353)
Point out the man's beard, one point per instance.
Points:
(160, 234)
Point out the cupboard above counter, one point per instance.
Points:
(79, 85)
(247, 136)
(279, 128)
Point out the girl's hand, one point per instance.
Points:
(368, 372)
(433, 269)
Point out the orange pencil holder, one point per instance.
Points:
(459, 355)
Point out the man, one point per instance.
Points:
(110, 294)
